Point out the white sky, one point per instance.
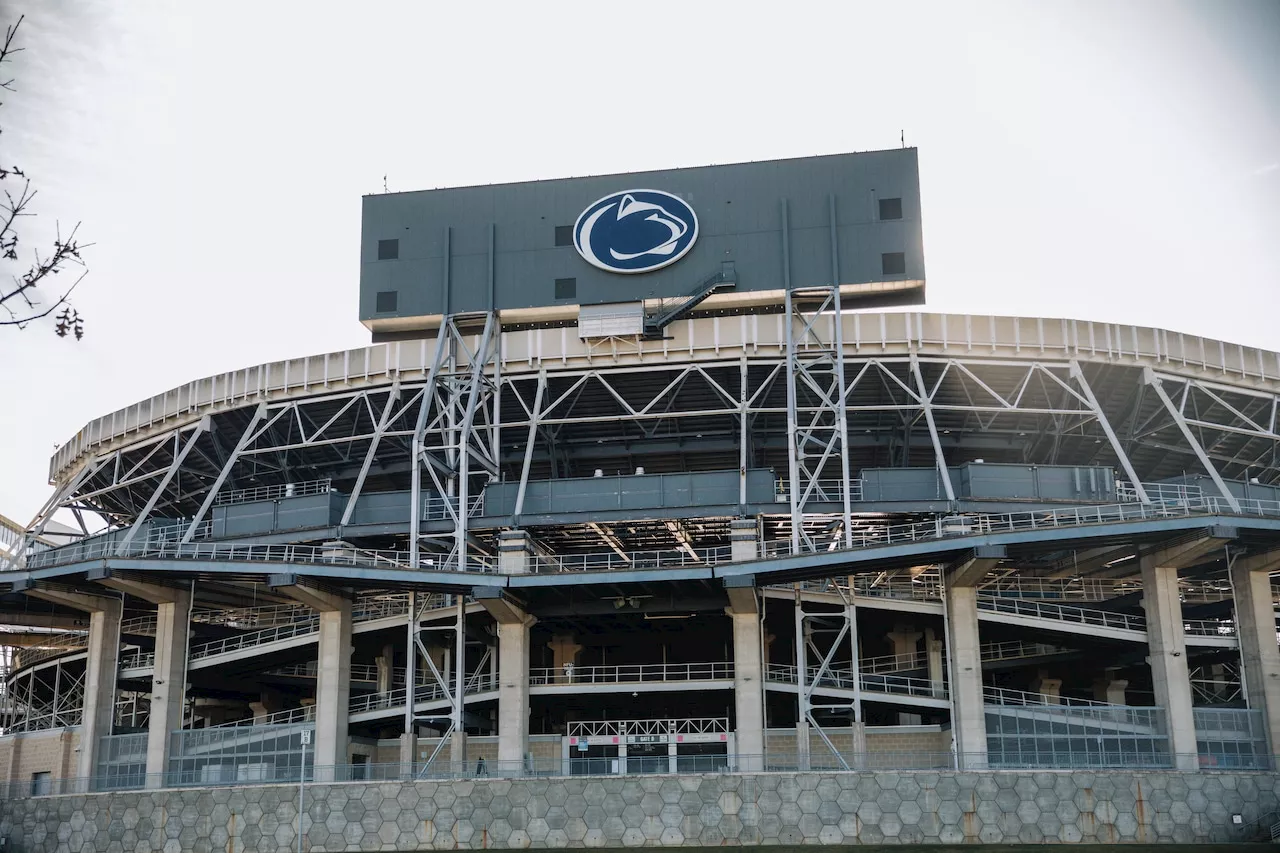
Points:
(1099, 160)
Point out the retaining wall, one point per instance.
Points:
(690, 810)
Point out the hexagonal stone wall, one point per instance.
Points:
(655, 811)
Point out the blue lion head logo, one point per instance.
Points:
(635, 231)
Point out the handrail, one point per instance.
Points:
(626, 673)
(1062, 613)
(842, 679)
(940, 528)
(605, 561)
(275, 492)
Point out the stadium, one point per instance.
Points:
(659, 516)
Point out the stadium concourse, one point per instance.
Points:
(755, 568)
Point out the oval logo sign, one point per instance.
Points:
(635, 231)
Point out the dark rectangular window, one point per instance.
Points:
(566, 288)
(893, 263)
(388, 250)
(564, 235)
(890, 208)
(388, 301)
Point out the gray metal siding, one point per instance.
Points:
(739, 211)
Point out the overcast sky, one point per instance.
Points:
(1097, 160)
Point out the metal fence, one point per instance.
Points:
(287, 769)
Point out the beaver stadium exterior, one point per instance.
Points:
(781, 572)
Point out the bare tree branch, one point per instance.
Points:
(21, 299)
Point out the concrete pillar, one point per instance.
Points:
(513, 693)
(748, 684)
(268, 703)
(99, 684)
(513, 675)
(1050, 687)
(101, 665)
(385, 663)
(563, 651)
(968, 718)
(333, 669)
(408, 750)
(906, 642)
(1167, 654)
(933, 652)
(514, 552)
(333, 685)
(168, 687)
(1255, 628)
(1110, 690)
(743, 540)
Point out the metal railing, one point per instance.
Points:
(1160, 492)
(268, 493)
(1209, 627)
(943, 527)
(437, 507)
(430, 692)
(1062, 613)
(56, 645)
(627, 673)
(823, 490)
(626, 728)
(843, 679)
(340, 555)
(482, 769)
(607, 561)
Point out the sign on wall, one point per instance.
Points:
(635, 231)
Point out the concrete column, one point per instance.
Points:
(99, 684)
(1050, 687)
(1110, 690)
(1167, 654)
(268, 703)
(333, 667)
(333, 685)
(514, 552)
(968, 719)
(748, 686)
(408, 749)
(1255, 628)
(933, 652)
(168, 687)
(563, 651)
(905, 640)
(513, 693)
(513, 674)
(101, 665)
(743, 540)
(385, 663)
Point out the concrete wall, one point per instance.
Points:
(51, 751)
(701, 810)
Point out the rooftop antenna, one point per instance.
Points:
(384, 183)
(903, 137)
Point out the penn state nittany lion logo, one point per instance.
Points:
(635, 231)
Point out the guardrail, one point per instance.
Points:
(823, 490)
(943, 527)
(1062, 613)
(842, 679)
(267, 493)
(422, 693)
(607, 561)
(482, 769)
(340, 555)
(629, 673)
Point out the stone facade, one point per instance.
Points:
(690, 810)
